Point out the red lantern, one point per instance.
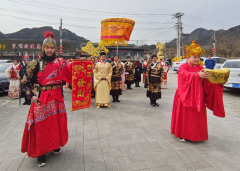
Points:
(213, 51)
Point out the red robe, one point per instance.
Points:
(46, 126)
(144, 73)
(189, 116)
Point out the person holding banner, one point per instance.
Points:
(46, 126)
(116, 81)
(129, 68)
(102, 81)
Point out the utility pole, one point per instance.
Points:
(214, 43)
(60, 29)
(179, 39)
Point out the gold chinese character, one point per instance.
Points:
(80, 82)
(89, 67)
(89, 74)
(81, 93)
(3, 46)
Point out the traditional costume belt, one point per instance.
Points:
(155, 75)
(50, 87)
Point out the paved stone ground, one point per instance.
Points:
(131, 135)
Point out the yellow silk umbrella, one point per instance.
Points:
(115, 31)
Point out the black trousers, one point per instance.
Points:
(128, 86)
(153, 101)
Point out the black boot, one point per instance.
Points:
(56, 151)
(26, 101)
(117, 99)
(130, 87)
(41, 161)
(29, 102)
(114, 99)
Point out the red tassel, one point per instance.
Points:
(49, 33)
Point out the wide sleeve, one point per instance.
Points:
(97, 78)
(8, 71)
(161, 71)
(190, 89)
(125, 65)
(31, 70)
(214, 98)
(109, 77)
(148, 73)
(66, 71)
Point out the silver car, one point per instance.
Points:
(234, 78)
(176, 65)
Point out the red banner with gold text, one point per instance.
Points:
(81, 84)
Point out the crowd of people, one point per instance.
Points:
(46, 126)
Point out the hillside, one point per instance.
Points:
(37, 34)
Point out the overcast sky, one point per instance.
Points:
(154, 18)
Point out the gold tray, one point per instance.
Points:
(218, 76)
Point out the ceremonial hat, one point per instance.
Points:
(49, 40)
(102, 52)
(193, 49)
(26, 57)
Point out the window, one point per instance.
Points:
(221, 60)
(232, 64)
(216, 60)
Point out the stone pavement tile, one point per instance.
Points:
(110, 149)
(96, 165)
(144, 144)
(217, 164)
(172, 157)
(208, 169)
(163, 168)
(231, 166)
(130, 149)
(199, 164)
(176, 144)
(133, 158)
(15, 164)
(110, 165)
(232, 158)
(112, 141)
(138, 166)
(3, 155)
(121, 164)
(166, 145)
(187, 166)
(5, 165)
(177, 167)
(158, 146)
(153, 163)
(185, 155)
(193, 153)
(114, 154)
(73, 167)
(98, 155)
(29, 164)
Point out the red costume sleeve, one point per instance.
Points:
(190, 87)
(214, 98)
(67, 72)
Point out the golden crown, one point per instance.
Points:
(194, 49)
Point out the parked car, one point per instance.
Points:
(6, 61)
(4, 81)
(176, 65)
(218, 60)
(234, 77)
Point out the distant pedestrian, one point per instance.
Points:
(210, 63)
(138, 72)
(170, 63)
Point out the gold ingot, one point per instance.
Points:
(218, 76)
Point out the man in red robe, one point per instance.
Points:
(194, 93)
(46, 126)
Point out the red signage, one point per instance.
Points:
(213, 51)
